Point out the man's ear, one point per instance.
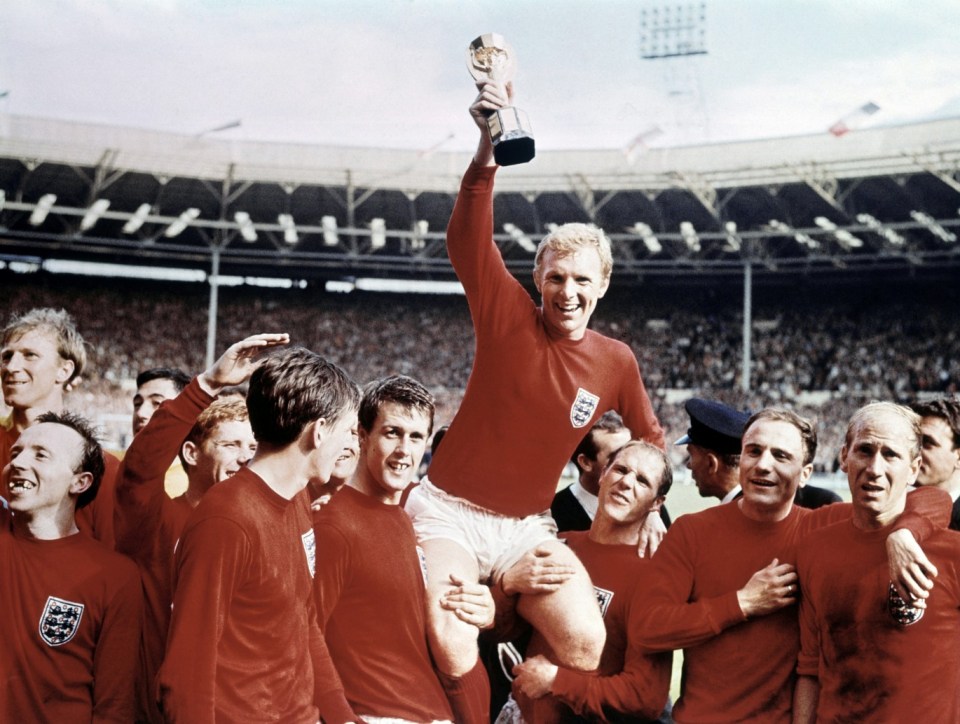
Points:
(657, 504)
(536, 280)
(843, 458)
(584, 462)
(82, 482)
(604, 286)
(189, 452)
(318, 431)
(714, 462)
(64, 371)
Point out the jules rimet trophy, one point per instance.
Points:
(490, 56)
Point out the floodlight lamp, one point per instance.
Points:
(329, 226)
(378, 233)
(178, 226)
(289, 228)
(40, 211)
(247, 231)
(94, 213)
(136, 220)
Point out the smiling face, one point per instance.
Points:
(629, 487)
(390, 452)
(32, 371)
(41, 478)
(881, 464)
(771, 468)
(570, 285)
(228, 447)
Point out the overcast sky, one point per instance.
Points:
(393, 73)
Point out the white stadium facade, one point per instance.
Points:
(695, 228)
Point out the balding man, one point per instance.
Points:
(867, 654)
(723, 584)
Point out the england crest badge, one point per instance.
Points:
(310, 548)
(60, 620)
(581, 412)
(604, 597)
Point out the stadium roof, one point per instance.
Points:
(877, 200)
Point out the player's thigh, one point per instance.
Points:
(453, 642)
(569, 618)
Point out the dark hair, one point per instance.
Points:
(947, 409)
(609, 421)
(400, 389)
(808, 433)
(91, 460)
(293, 388)
(666, 472)
(179, 378)
(70, 345)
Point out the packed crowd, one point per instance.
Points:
(306, 571)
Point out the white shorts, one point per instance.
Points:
(496, 541)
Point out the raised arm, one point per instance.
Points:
(140, 482)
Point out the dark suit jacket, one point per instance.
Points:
(810, 496)
(955, 517)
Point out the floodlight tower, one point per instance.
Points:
(674, 34)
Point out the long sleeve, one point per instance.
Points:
(140, 483)
(670, 620)
(115, 656)
(333, 565)
(640, 689)
(210, 559)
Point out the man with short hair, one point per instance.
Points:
(723, 584)
(42, 356)
(940, 449)
(630, 684)
(155, 386)
(214, 441)
(540, 378)
(574, 507)
(371, 559)
(71, 607)
(867, 654)
(713, 447)
(244, 640)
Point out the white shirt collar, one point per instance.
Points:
(734, 492)
(588, 500)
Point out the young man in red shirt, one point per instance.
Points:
(214, 440)
(540, 378)
(244, 641)
(71, 608)
(42, 356)
(630, 684)
(371, 560)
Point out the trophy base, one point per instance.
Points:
(511, 151)
(512, 139)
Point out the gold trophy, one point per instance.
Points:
(489, 56)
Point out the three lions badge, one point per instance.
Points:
(60, 620)
(581, 412)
